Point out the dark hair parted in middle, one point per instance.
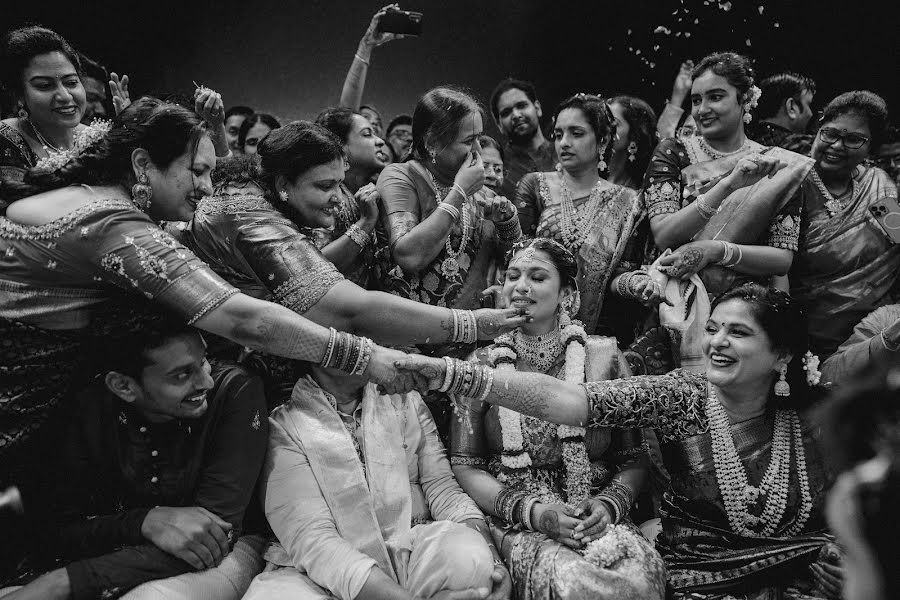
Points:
(597, 113)
(735, 68)
(864, 103)
(252, 120)
(292, 150)
(165, 130)
(438, 119)
(19, 46)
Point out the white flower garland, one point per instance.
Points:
(753, 96)
(575, 458)
(94, 132)
(811, 366)
(618, 543)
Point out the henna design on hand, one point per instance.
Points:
(549, 524)
(691, 258)
(488, 325)
(523, 392)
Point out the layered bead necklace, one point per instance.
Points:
(737, 493)
(575, 229)
(49, 148)
(834, 205)
(450, 265)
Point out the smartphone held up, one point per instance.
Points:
(401, 22)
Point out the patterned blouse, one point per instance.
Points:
(664, 190)
(15, 156)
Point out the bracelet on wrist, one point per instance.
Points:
(450, 210)
(704, 208)
(461, 191)
(358, 235)
(361, 59)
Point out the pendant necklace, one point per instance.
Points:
(450, 265)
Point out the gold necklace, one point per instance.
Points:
(450, 265)
(833, 205)
(575, 229)
(713, 153)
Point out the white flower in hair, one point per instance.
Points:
(752, 101)
(811, 366)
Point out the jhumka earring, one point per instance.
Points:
(283, 195)
(782, 387)
(141, 193)
(601, 164)
(632, 151)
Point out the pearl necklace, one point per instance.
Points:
(450, 265)
(713, 153)
(540, 351)
(575, 229)
(833, 205)
(738, 495)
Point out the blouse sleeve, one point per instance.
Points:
(528, 203)
(287, 263)
(400, 200)
(132, 252)
(784, 230)
(670, 404)
(662, 182)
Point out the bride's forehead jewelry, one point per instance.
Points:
(529, 256)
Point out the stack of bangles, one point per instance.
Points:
(619, 498)
(731, 254)
(703, 207)
(627, 284)
(467, 379)
(514, 507)
(509, 230)
(358, 235)
(450, 210)
(465, 327)
(347, 353)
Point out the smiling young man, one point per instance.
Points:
(517, 113)
(158, 467)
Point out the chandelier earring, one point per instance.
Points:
(283, 195)
(632, 151)
(601, 164)
(141, 192)
(782, 387)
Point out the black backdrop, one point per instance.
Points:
(290, 58)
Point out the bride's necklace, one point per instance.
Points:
(45, 144)
(834, 205)
(713, 153)
(450, 265)
(540, 351)
(574, 228)
(737, 493)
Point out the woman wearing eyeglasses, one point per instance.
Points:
(847, 262)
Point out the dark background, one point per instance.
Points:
(290, 59)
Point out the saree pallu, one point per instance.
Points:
(702, 553)
(846, 265)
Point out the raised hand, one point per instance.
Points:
(682, 86)
(374, 38)
(751, 169)
(596, 517)
(690, 258)
(190, 533)
(498, 209)
(119, 90)
(494, 321)
(208, 104)
(367, 200)
(470, 176)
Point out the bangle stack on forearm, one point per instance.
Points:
(465, 326)
(358, 235)
(515, 507)
(628, 283)
(348, 353)
(619, 498)
(510, 230)
(467, 379)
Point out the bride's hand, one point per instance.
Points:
(495, 321)
(427, 371)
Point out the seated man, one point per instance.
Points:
(358, 489)
(159, 465)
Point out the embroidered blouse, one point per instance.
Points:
(664, 191)
(53, 275)
(250, 243)
(15, 156)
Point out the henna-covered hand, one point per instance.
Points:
(430, 370)
(495, 321)
(690, 259)
(556, 522)
(596, 517)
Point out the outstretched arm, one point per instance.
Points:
(355, 83)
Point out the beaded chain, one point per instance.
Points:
(737, 493)
(713, 153)
(450, 265)
(575, 229)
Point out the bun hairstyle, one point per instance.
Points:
(19, 46)
(438, 119)
(735, 68)
(163, 129)
(864, 103)
(598, 115)
(642, 123)
(292, 150)
(560, 256)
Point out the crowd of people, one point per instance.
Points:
(610, 354)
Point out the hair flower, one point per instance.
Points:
(751, 102)
(811, 366)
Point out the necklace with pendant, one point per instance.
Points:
(540, 351)
(575, 229)
(833, 205)
(49, 148)
(450, 265)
